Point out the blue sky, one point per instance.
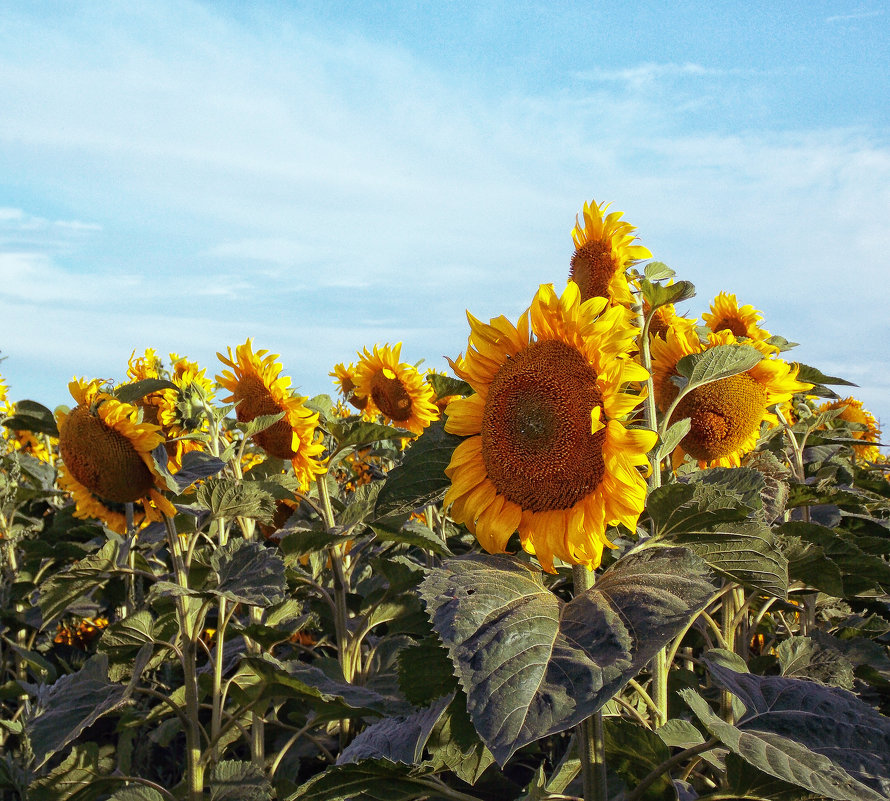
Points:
(323, 176)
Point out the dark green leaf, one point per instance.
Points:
(672, 438)
(678, 508)
(32, 416)
(809, 564)
(249, 573)
(662, 294)
(632, 752)
(718, 362)
(532, 665)
(239, 781)
(356, 432)
(259, 424)
(324, 406)
(232, 497)
(455, 745)
(58, 592)
(301, 541)
(444, 385)
(803, 657)
(426, 672)
(372, 780)
(745, 781)
(813, 376)
(130, 393)
(195, 466)
(420, 479)
(414, 533)
(137, 792)
(84, 767)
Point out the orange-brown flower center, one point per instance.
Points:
(348, 387)
(390, 396)
(724, 414)
(591, 268)
(732, 324)
(254, 400)
(103, 459)
(536, 442)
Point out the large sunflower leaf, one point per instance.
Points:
(58, 592)
(743, 552)
(420, 479)
(822, 738)
(532, 665)
(32, 416)
(369, 780)
(357, 433)
(714, 364)
(231, 780)
(249, 573)
(232, 497)
(130, 393)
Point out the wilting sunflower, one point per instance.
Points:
(106, 455)
(741, 321)
(546, 452)
(604, 250)
(726, 414)
(855, 412)
(259, 389)
(344, 378)
(396, 389)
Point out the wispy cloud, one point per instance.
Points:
(855, 16)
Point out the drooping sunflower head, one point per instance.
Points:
(604, 250)
(258, 389)
(869, 432)
(397, 390)
(725, 415)
(546, 451)
(344, 379)
(146, 366)
(726, 315)
(183, 408)
(106, 454)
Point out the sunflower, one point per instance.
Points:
(855, 412)
(106, 454)
(546, 452)
(604, 250)
(396, 389)
(726, 414)
(344, 378)
(40, 447)
(741, 321)
(258, 389)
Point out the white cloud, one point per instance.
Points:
(855, 16)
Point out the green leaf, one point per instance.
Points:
(414, 533)
(632, 752)
(232, 497)
(822, 738)
(123, 639)
(420, 479)
(32, 416)
(658, 271)
(356, 432)
(662, 294)
(301, 541)
(259, 424)
(532, 665)
(803, 657)
(399, 739)
(324, 405)
(137, 792)
(371, 780)
(64, 709)
(426, 672)
(249, 573)
(195, 466)
(745, 781)
(672, 438)
(58, 592)
(721, 361)
(809, 564)
(239, 781)
(130, 393)
(85, 767)
(813, 376)
(445, 385)
(455, 745)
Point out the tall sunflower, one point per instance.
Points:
(604, 250)
(726, 414)
(855, 412)
(344, 379)
(726, 315)
(546, 452)
(258, 389)
(106, 454)
(396, 389)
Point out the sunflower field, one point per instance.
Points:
(618, 554)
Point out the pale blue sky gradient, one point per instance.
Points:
(323, 176)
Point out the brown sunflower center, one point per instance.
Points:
(536, 442)
(254, 400)
(724, 414)
(103, 459)
(591, 268)
(732, 324)
(390, 395)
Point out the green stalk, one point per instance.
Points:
(590, 731)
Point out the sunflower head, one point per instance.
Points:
(258, 389)
(867, 426)
(344, 379)
(725, 415)
(106, 453)
(146, 366)
(741, 321)
(396, 389)
(546, 449)
(604, 250)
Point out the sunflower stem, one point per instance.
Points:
(590, 731)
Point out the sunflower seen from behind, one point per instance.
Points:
(604, 249)
(396, 389)
(546, 451)
(726, 415)
(258, 389)
(106, 448)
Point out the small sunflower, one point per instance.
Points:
(741, 321)
(726, 414)
(344, 378)
(546, 452)
(106, 454)
(855, 412)
(258, 389)
(604, 250)
(396, 389)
